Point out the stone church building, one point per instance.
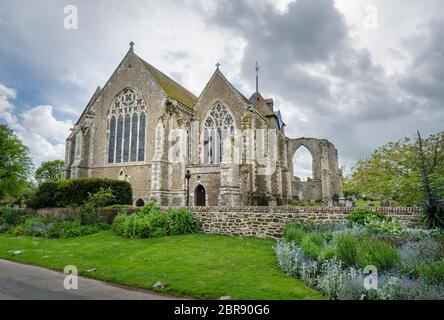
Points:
(218, 149)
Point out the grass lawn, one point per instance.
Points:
(198, 265)
(363, 203)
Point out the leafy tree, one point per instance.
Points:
(15, 163)
(49, 171)
(394, 172)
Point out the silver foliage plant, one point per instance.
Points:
(415, 252)
(338, 281)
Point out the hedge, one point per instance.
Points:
(65, 193)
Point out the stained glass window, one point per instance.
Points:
(141, 155)
(218, 125)
(112, 139)
(119, 139)
(126, 142)
(134, 137)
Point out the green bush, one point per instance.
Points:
(37, 227)
(76, 192)
(362, 216)
(5, 228)
(327, 253)
(181, 221)
(431, 272)
(71, 229)
(58, 228)
(362, 252)
(347, 249)
(149, 208)
(380, 254)
(310, 248)
(384, 227)
(117, 225)
(89, 213)
(12, 216)
(312, 244)
(151, 222)
(294, 232)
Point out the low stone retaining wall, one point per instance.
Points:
(263, 222)
(268, 222)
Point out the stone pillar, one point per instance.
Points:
(195, 142)
(229, 192)
(68, 159)
(325, 171)
(75, 168)
(159, 175)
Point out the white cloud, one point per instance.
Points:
(6, 107)
(40, 120)
(37, 127)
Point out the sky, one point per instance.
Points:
(358, 73)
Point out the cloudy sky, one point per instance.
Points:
(358, 73)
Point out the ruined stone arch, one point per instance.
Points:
(313, 147)
(325, 181)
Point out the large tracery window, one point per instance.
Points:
(126, 123)
(218, 125)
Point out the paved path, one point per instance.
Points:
(19, 281)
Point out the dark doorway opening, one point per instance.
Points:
(199, 196)
(140, 203)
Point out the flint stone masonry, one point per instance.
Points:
(268, 222)
(261, 222)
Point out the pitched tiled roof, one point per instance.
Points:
(264, 106)
(171, 88)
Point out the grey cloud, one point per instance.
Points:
(426, 78)
(350, 100)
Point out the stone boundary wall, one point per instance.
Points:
(263, 222)
(268, 222)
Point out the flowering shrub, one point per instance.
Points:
(332, 262)
(413, 253)
(150, 222)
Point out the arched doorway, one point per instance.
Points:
(140, 203)
(199, 196)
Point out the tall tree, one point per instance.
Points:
(394, 172)
(15, 163)
(49, 171)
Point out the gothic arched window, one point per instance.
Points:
(218, 125)
(126, 123)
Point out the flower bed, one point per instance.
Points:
(337, 260)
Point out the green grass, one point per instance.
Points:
(365, 203)
(197, 265)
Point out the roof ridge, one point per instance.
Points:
(169, 86)
(90, 103)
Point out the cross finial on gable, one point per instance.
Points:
(217, 65)
(131, 45)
